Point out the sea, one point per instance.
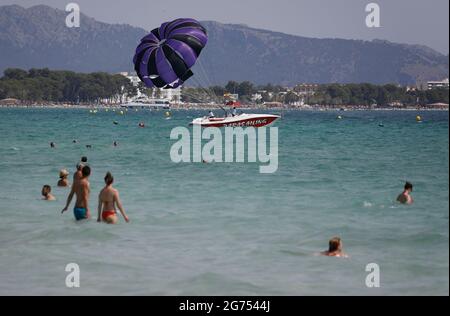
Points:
(225, 228)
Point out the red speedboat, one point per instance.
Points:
(242, 120)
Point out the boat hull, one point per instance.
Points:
(244, 120)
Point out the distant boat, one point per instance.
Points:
(147, 103)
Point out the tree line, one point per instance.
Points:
(39, 85)
(44, 85)
(326, 94)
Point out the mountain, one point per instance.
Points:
(37, 37)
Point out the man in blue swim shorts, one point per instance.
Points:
(82, 190)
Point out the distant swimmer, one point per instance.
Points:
(141, 125)
(108, 199)
(89, 146)
(75, 141)
(115, 144)
(52, 145)
(63, 181)
(81, 189)
(405, 197)
(335, 249)
(116, 123)
(46, 193)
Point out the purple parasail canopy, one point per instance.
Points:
(164, 57)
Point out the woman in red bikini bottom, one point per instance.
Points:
(108, 199)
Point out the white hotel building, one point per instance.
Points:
(438, 84)
(173, 95)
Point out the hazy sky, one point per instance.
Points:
(406, 21)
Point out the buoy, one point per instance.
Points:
(418, 118)
(168, 114)
(106, 110)
(90, 111)
(121, 113)
(339, 117)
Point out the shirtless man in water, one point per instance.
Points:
(405, 197)
(108, 199)
(82, 190)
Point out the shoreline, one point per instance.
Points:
(202, 107)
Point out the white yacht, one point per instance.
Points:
(144, 102)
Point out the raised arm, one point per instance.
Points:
(69, 199)
(120, 207)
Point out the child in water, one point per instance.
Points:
(335, 249)
(405, 197)
(46, 193)
(63, 181)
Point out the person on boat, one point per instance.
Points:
(108, 199)
(234, 113)
(81, 189)
(335, 248)
(46, 193)
(63, 181)
(211, 114)
(405, 197)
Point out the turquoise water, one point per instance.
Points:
(226, 229)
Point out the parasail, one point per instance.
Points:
(164, 57)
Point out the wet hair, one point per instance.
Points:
(109, 179)
(408, 186)
(334, 244)
(84, 159)
(46, 189)
(86, 171)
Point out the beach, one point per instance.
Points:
(226, 229)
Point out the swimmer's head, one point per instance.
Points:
(408, 186)
(63, 173)
(84, 159)
(109, 179)
(86, 171)
(46, 189)
(335, 244)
